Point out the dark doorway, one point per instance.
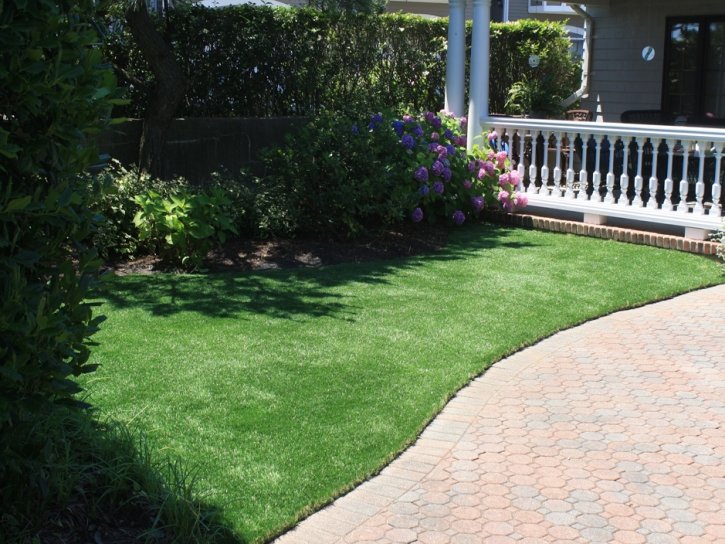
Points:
(694, 70)
(497, 11)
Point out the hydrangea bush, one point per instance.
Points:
(449, 182)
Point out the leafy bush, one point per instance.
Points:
(183, 226)
(719, 236)
(54, 91)
(305, 62)
(344, 177)
(532, 96)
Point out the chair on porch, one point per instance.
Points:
(579, 115)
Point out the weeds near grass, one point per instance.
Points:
(85, 474)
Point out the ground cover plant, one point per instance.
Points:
(287, 387)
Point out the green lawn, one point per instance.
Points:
(288, 387)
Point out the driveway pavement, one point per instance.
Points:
(613, 431)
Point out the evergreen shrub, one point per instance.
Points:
(256, 61)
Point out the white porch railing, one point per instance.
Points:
(649, 173)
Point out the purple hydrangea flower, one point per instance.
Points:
(446, 163)
(463, 121)
(435, 136)
(424, 190)
(521, 200)
(463, 154)
(355, 129)
(508, 206)
(437, 168)
(471, 166)
(407, 119)
(442, 152)
(429, 115)
(438, 187)
(504, 180)
(503, 196)
(446, 174)
(482, 173)
(478, 203)
(467, 184)
(407, 141)
(436, 122)
(448, 133)
(421, 174)
(433, 148)
(489, 167)
(399, 127)
(418, 131)
(371, 125)
(462, 141)
(377, 118)
(459, 217)
(417, 215)
(451, 150)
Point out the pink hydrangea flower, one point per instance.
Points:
(491, 155)
(463, 121)
(467, 184)
(482, 173)
(429, 115)
(521, 200)
(492, 135)
(514, 178)
(508, 206)
(435, 136)
(503, 196)
(489, 167)
(442, 152)
(504, 180)
(407, 119)
(501, 157)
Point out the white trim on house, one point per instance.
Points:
(547, 6)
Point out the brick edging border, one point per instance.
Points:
(603, 231)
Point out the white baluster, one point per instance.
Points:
(684, 186)
(653, 181)
(700, 185)
(624, 179)
(532, 168)
(583, 174)
(667, 204)
(544, 190)
(521, 168)
(638, 179)
(716, 186)
(609, 197)
(570, 171)
(556, 191)
(597, 175)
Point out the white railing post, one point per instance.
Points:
(624, 179)
(583, 174)
(700, 185)
(556, 191)
(684, 185)
(653, 181)
(570, 170)
(545, 167)
(521, 168)
(638, 179)
(669, 184)
(597, 175)
(609, 198)
(716, 186)
(532, 167)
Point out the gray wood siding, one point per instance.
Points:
(620, 79)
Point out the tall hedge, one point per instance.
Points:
(250, 61)
(54, 91)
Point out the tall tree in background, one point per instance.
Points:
(167, 88)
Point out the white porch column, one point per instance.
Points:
(456, 57)
(479, 68)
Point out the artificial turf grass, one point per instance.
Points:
(288, 387)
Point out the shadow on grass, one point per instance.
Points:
(287, 294)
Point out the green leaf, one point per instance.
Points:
(18, 204)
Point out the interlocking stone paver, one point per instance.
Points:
(613, 431)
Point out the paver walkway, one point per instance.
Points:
(613, 431)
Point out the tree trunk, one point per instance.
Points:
(169, 85)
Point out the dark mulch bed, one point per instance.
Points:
(400, 241)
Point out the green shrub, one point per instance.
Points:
(183, 226)
(55, 91)
(305, 62)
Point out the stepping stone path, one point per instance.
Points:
(613, 431)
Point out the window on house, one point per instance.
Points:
(694, 69)
(545, 6)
